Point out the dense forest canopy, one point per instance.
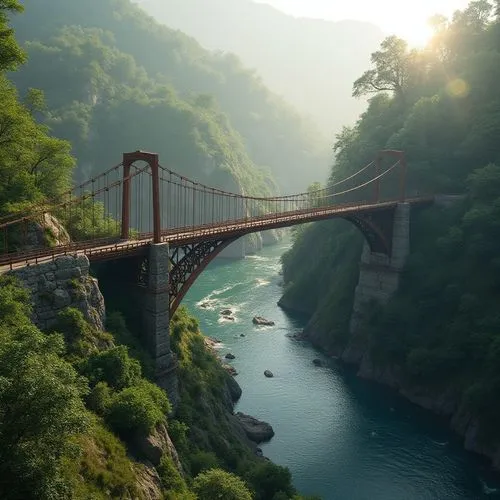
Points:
(33, 164)
(116, 80)
(441, 105)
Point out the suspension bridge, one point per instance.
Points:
(162, 229)
(138, 203)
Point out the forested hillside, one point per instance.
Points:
(116, 80)
(441, 331)
(310, 62)
(80, 416)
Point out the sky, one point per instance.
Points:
(407, 19)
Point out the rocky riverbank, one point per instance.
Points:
(255, 430)
(443, 401)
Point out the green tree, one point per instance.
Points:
(269, 479)
(11, 54)
(216, 484)
(391, 71)
(41, 408)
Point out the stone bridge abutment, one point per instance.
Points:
(379, 272)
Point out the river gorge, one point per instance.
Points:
(341, 437)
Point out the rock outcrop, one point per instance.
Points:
(45, 231)
(260, 321)
(153, 447)
(148, 482)
(256, 430)
(64, 282)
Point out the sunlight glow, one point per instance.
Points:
(408, 20)
(417, 34)
(458, 88)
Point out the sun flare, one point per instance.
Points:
(417, 35)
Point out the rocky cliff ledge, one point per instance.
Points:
(65, 282)
(445, 401)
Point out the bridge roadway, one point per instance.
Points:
(112, 248)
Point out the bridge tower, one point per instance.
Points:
(154, 297)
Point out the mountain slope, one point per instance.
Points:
(273, 133)
(312, 63)
(437, 340)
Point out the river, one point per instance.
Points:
(342, 438)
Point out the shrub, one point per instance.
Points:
(138, 409)
(115, 367)
(202, 461)
(268, 479)
(71, 323)
(100, 398)
(117, 325)
(170, 477)
(216, 484)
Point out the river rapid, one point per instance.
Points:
(342, 438)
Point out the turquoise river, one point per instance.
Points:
(342, 438)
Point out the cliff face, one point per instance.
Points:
(444, 401)
(65, 282)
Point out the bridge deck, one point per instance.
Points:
(109, 249)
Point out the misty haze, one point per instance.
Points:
(249, 250)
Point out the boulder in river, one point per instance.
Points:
(256, 430)
(226, 312)
(269, 374)
(229, 355)
(259, 320)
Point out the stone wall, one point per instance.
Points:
(64, 282)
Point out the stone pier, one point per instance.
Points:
(156, 320)
(379, 274)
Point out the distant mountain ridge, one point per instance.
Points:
(157, 62)
(311, 63)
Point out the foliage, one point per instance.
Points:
(216, 483)
(202, 387)
(108, 94)
(171, 480)
(138, 409)
(441, 106)
(391, 73)
(88, 220)
(33, 165)
(103, 469)
(202, 461)
(116, 324)
(10, 53)
(115, 367)
(270, 481)
(41, 407)
(80, 337)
